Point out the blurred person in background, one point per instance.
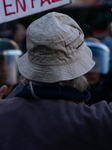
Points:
(107, 40)
(87, 29)
(5, 30)
(100, 87)
(9, 53)
(19, 36)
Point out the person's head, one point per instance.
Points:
(56, 52)
(87, 29)
(101, 54)
(18, 33)
(9, 53)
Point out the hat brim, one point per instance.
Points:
(58, 73)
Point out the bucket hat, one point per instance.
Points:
(55, 50)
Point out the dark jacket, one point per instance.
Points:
(100, 91)
(54, 124)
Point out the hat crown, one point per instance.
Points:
(52, 28)
(55, 50)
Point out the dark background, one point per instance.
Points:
(97, 16)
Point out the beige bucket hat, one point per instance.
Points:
(55, 50)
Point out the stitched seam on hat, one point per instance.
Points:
(36, 65)
(80, 45)
(56, 38)
(69, 59)
(70, 56)
(76, 74)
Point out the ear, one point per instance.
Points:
(75, 84)
(2, 91)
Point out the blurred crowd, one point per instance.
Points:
(12, 46)
(99, 78)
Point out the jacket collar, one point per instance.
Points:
(53, 91)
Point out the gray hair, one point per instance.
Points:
(81, 82)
